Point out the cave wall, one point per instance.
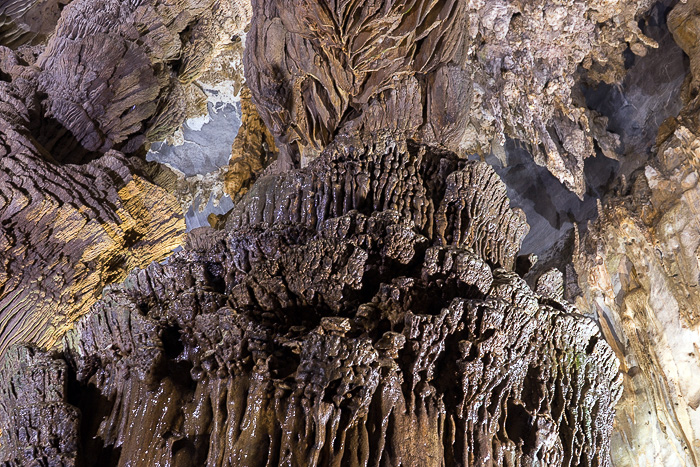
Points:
(356, 295)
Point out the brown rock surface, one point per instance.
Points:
(337, 330)
(25, 22)
(253, 150)
(108, 74)
(462, 75)
(360, 304)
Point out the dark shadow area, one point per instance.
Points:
(649, 94)
(59, 141)
(550, 207)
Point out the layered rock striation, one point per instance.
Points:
(361, 322)
(67, 230)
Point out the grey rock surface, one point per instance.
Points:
(207, 140)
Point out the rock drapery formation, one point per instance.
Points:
(638, 269)
(109, 71)
(67, 230)
(28, 21)
(303, 335)
(460, 74)
(362, 303)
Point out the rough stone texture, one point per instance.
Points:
(106, 79)
(458, 74)
(253, 150)
(25, 22)
(345, 326)
(639, 271)
(638, 267)
(107, 70)
(219, 151)
(367, 308)
(39, 426)
(66, 231)
(203, 144)
(649, 93)
(387, 175)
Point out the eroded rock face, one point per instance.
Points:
(359, 322)
(24, 22)
(45, 427)
(362, 303)
(457, 74)
(638, 268)
(253, 150)
(67, 231)
(108, 71)
(639, 271)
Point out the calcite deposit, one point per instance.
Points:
(67, 230)
(361, 294)
(358, 322)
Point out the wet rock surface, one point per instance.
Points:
(358, 294)
(348, 329)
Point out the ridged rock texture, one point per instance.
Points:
(363, 303)
(113, 72)
(28, 21)
(110, 78)
(253, 150)
(361, 322)
(459, 74)
(639, 271)
(67, 230)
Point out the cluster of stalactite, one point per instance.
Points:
(360, 304)
(340, 318)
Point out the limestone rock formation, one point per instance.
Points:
(458, 74)
(24, 22)
(106, 79)
(222, 146)
(363, 302)
(358, 323)
(638, 269)
(45, 427)
(252, 152)
(108, 72)
(67, 230)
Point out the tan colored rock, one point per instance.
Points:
(252, 151)
(66, 231)
(639, 271)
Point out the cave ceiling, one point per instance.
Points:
(350, 233)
